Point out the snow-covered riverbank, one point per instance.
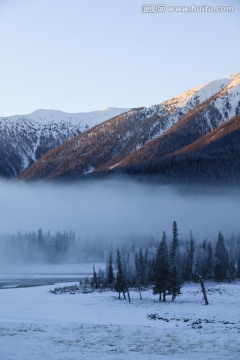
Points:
(38, 325)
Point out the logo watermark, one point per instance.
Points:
(153, 8)
(163, 8)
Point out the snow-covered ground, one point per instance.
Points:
(36, 324)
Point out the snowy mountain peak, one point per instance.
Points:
(235, 81)
(201, 93)
(235, 76)
(25, 138)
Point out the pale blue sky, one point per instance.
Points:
(82, 55)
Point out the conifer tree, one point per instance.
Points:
(191, 254)
(101, 279)
(209, 261)
(221, 265)
(162, 270)
(140, 268)
(110, 274)
(175, 241)
(120, 284)
(40, 240)
(187, 265)
(95, 278)
(188, 260)
(238, 267)
(147, 268)
(175, 279)
(231, 275)
(127, 273)
(175, 282)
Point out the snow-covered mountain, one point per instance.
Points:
(144, 134)
(25, 138)
(211, 111)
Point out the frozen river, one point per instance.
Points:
(38, 275)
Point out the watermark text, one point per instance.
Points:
(163, 8)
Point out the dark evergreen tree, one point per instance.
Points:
(176, 276)
(101, 278)
(232, 273)
(238, 267)
(147, 268)
(127, 271)
(120, 284)
(140, 268)
(191, 254)
(95, 278)
(162, 270)
(175, 241)
(204, 245)
(110, 274)
(40, 243)
(201, 260)
(188, 260)
(175, 282)
(221, 267)
(209, 261)
(151, 270)
(187, 266)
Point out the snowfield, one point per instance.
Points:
(36, 324)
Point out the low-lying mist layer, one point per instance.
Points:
(116, 208)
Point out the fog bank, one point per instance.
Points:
(112, 208)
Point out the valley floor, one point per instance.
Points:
(35, 324)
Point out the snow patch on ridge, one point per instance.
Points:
(202, 93)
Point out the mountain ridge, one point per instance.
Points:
(25, 138)
(185, 131)
(143, 134)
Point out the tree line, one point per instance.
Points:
(37, 246)
(174, 263)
